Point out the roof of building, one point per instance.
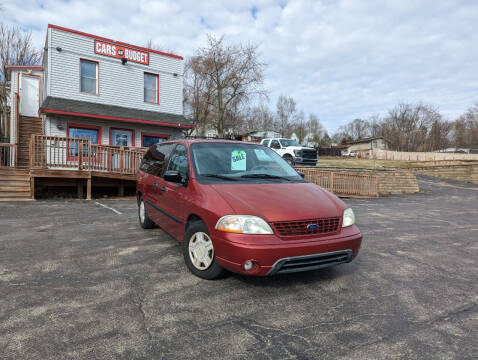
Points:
(60, 106)
(366, 140)
(28, 68)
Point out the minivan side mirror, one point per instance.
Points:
(173, 176)
(302, 175)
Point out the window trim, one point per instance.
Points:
(133, 135)
(158, 135)
(157, 87)
(97, 77)
(80, 126)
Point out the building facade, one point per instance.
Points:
(94, 88)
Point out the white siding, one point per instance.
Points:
(51, 128)
(13, 91)
(120, 85)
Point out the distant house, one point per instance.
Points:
(372, 143)
(455, 150)
(257, 136)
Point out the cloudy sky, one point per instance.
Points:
(339, 59)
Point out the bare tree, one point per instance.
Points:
(198, 94)
(16, 48)
(465, 129)
(234, 73)
(300, 126)
(406, 126)
(286, 111)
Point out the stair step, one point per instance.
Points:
(11, 195)
(14, 189)
(16, 199)
(14, 172)
(14, 183)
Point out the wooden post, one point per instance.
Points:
(30, 149)
(121, 189)
(88, 188)
(80, 188)
(376, 186)
(121, 165)
(16, 120)
(32, 186)
(331, 181)
(80, 154)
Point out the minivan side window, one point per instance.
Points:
(265, 142)
(154, 160)
(179, 161)
(275, 144)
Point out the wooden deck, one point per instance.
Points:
(60, 160)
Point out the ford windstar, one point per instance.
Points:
(240, 207)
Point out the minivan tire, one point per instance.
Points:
(214, 271)
(144, 221)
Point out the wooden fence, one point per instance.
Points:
(343, 183)
(417, 156)
(54, 152)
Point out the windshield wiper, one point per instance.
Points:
(217, 176)
(264, 176)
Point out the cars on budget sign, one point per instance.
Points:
(241, 207)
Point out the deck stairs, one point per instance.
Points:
(15, 184)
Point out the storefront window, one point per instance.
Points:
(149, 140)
(81, 133)
(122, 137)
(151, 82)
(89, 76)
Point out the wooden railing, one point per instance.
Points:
(345, 184)
(54, 152)
(7, 154)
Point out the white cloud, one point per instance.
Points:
(338, 59)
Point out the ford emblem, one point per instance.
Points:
(312, 227)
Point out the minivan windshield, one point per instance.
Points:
(239, 162)
(288, 142)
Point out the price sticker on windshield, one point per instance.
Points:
(238, 160)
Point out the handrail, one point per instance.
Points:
(7, 154)
(56, 152)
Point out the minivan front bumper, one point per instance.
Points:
(284, 257)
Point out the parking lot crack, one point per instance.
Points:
(138, 301)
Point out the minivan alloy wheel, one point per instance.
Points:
(142, 211)
(201, 250)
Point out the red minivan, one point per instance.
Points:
(239, 206)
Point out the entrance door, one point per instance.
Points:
(29, 95)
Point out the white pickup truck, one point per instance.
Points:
(292, 151)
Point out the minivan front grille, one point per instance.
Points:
(307, 227)
(311, 262)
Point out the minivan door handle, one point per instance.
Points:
(155, 186)
(162, 188)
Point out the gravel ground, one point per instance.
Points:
(81, 281)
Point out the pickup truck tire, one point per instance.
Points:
(289, 159)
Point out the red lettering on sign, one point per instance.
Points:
(119, 52)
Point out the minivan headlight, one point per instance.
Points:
(348, 217)
(243, 224)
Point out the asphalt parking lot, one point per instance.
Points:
(81, 281)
